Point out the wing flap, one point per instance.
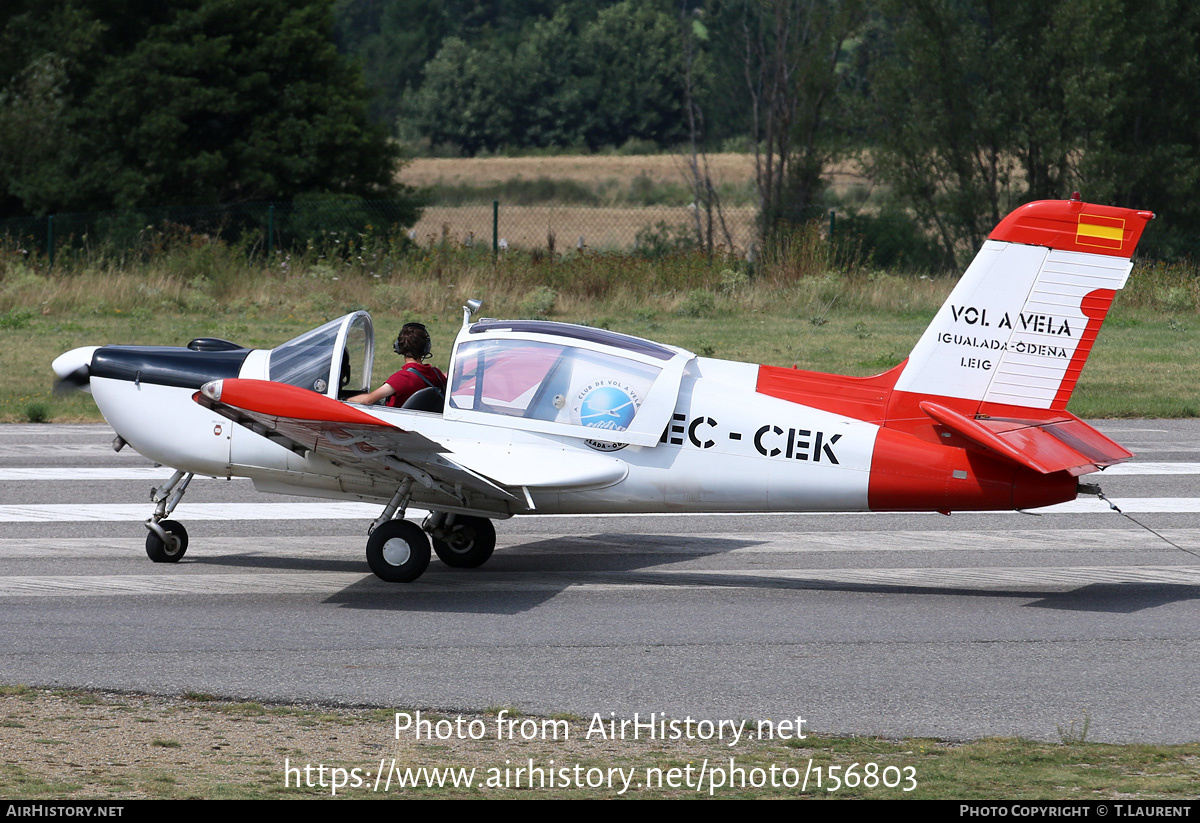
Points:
(1061, 443)
(543, 468)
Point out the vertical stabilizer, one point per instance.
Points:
(1018, 327)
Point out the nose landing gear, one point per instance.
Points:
(167, 540)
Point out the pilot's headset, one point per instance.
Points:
(428, 347)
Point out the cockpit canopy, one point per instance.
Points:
(606, 387)
(564, 379)
(334, 359)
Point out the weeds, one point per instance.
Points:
(16, 318)
(37, 413)
(540, 303)
(698, 303)
(1075, 733)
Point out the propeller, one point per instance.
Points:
(74, 370)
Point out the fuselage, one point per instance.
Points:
(727, 448)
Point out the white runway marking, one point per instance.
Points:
(116, 512)
(90, 473)
(163, 472)
(1151, 468)
(121, 512)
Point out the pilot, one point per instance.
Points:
(414, 345)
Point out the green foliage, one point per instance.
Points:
(1075, 733)
(16, 318)
(891, 240)
(37, 413)
(663, 239)
(698, 303)
(635, 86)
(978, 107)
(795, 61)
(539, 303)
(616, 78)
(199, 101)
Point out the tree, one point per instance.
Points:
(633, 76)
(1145, 150)
(393, 39)
(981, 105)
(455, 105)
(620, 77)
(794, 57)
(205, 101)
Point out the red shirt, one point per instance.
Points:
(406, 383)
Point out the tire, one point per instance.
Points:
(398, 551)
(469, 542)
(161, 552)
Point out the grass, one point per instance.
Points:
(232, 750)
(799, 307)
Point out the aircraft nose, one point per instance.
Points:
(73, 368)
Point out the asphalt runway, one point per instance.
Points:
(899, 625)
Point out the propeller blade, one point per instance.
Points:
(73, 369)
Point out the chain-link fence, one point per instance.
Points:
(563, 228)
(262, 228)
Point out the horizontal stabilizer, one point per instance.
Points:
(1061, 443)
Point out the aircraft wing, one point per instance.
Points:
(305, 421)
(1061, 442)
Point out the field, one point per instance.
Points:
(625, 195)
(589, 169)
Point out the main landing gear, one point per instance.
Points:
(462, 541)
(398, 550)
(167, 540)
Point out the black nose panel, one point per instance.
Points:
(166, 365)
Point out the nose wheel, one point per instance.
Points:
(169, 547)
(398, 551)
(168, 539)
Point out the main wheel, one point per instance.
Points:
(173, 549)
(469, 543)
(398, 551)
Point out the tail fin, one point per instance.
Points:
(1019, 326)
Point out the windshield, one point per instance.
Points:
(308, 361)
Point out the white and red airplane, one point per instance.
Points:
(555, 418)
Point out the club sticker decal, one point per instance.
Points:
(606, 404)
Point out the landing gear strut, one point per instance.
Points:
(168, 540)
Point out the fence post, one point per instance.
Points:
(832, 222)
(495, 229)
(50, 238)
(270, 231)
